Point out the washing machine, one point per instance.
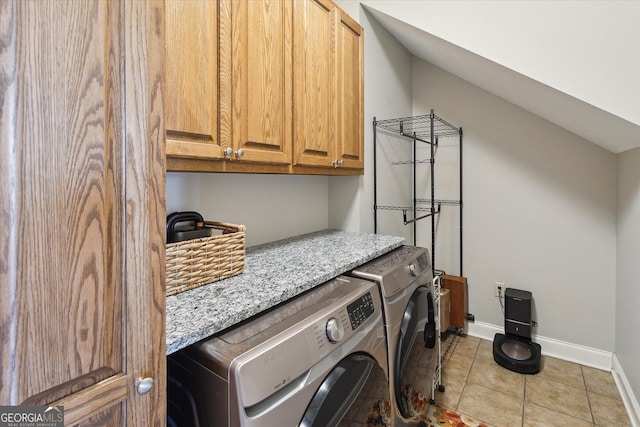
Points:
(405, 280)
(307, 362)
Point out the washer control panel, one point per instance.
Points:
(423, 261)
(397, 270)
(390, 260)
(360, 310)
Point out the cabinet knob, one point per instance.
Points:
(144, 385)
(340, 162)
(228, 152)
(337, 163)
(240, 153)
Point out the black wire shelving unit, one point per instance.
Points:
(424, 129)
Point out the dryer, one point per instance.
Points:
(303, 363)
(405, 280)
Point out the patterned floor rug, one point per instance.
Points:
(436, 416)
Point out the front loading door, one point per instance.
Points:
(338, 391)
(416, 355)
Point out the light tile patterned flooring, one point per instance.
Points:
(562, 394)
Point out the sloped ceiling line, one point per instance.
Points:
(594, 124)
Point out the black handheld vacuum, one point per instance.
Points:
(514, 349)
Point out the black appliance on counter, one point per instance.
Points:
(186, 226)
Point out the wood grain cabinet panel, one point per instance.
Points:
(192, 79)
(350, 94)
(256, 61)
(328, 87)
(315, 82)
(81, 196)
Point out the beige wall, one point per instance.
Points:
(539, 211)
(272, 207)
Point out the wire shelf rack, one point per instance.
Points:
(403, 208)
(411, 162)
(427, 128)
(440, 202)
(419, 127)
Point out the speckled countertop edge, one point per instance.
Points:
(274, 272)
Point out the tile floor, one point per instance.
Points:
(561, 394)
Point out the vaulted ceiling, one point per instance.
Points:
(595, 124)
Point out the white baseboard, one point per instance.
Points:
(551, 347)
(629, 399)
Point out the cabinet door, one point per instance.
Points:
(314, 76)
(350, 139)
(82, 209)
(255, 68)
(192, 85)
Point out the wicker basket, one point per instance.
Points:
(198, 262)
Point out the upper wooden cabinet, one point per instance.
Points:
(350, 96)
(315, 83)
(255, 71)
(82, 209)
(192, 83)
(287, 79)
(328, 88)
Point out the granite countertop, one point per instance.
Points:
(274, 273)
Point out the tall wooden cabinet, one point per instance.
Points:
(82, 209)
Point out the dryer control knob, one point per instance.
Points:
(412, 270)
(335, 331)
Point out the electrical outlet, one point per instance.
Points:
(498, 289)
